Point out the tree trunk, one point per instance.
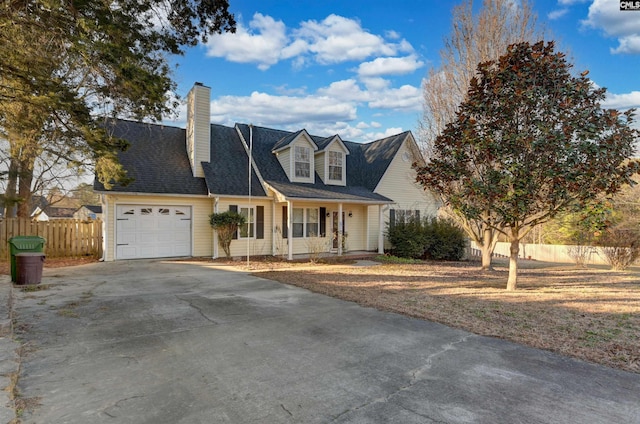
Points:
(513, 263)
(487, 250)
(24, 187)
(10, 199)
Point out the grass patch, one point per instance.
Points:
(30, 288)
(390, 259)
(68, 313)
(590, 314)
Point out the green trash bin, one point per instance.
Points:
(22, 244)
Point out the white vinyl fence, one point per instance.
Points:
(541, 252)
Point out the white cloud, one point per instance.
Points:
(345, 90)
(622, 101)
(377, 93)
(407, 97)
(557, 14)
(625, 26)
(392, 35)
(390, 66)
(265, 42)
(266, 109)
(335, 39)
(628, 44)
(349, 132)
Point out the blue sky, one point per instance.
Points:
(354, 67)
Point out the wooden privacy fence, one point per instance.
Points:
(64, 237)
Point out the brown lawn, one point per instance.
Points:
(590, 314)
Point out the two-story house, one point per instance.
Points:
(301, 188)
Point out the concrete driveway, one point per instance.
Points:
(162, 342)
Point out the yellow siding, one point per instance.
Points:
(201, 208)
(284, 157)
(398, 184)
(372, 224)
(198, 128)
(355, 227)
(256, 247)
(320, 159)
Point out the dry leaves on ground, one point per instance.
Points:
(589, 314)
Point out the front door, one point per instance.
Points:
(334, 228)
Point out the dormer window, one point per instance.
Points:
(302, 162)
(335, 166)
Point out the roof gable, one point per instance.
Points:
(368, 162)
(291, 139)
(331, 143)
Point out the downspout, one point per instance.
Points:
(216, 200)
(273, 228)
(105, 212)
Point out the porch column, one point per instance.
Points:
(340, 228)
(289, 232)
(273, 228)
(380, 230)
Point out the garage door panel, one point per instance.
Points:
(126, 252)
(182, 249)
(146, 231)
(167, 237)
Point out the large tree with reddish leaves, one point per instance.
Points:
(531, 140)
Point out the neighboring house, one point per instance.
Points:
(88, 212)
(35, 203)
(301, 189)
(51, 212)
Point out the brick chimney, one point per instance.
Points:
(198, 127)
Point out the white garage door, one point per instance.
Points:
(147, 231)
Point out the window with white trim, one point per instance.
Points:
(302, 162)
(335, 166)
(305, 222)
(247, 230)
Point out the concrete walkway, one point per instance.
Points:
(161, 342)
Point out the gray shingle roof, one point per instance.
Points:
(265, 138)
(93, 208)
(156, 159)
(227, 173)
(324, 142)
(158, 162)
